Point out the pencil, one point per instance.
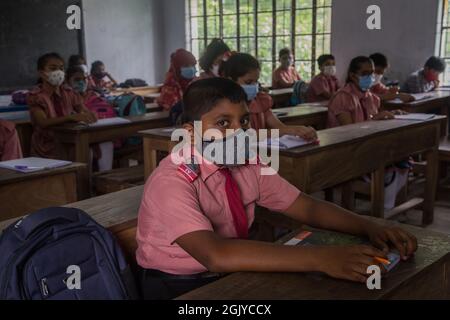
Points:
(382, 260)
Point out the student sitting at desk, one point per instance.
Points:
(285, 76)
(379, 88)
(77, 60)
(245, 70)
(216, 52)
(195, 220)
(101, 80)
(103, 153)
(356, 103)
(324, 85)
(10, 148)
(181, 73)
(426, 79)
(53, 103)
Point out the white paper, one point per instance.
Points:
(286, 142)
(415, 116)
(417, 97)
(33, 164)
(109, 122)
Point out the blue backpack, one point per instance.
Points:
(130, 104)
(38, 254)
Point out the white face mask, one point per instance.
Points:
(329, 70)
(377, 78)
(56, 78)
(215, 70)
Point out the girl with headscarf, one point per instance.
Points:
(181, 73)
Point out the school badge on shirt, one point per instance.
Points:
(189, 171)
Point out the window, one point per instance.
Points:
(262, 28)
(443, 39)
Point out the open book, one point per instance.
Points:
(287, 142)
(28, 165)
(415, 116)
(417, 97)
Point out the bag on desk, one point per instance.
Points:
(100, 107)
(20, 97)
(44, 253)
(131, 105)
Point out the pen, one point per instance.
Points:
(382, 260)
(27, 168)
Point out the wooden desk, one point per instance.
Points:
(281, 97)
(150, 94)
(440, 102)
(348, 152)
(160, 139)
(23, 193)
(426, 276)
(444, 149)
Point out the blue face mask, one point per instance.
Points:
(188, 73)
(80, 86)
(251, 90)
(366, 82)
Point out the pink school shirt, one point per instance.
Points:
(379, 89)
(43, 143)
(172, 207)
(260, 110)
(360, 105)
(321, 84)
(10, 148)
(284, 78)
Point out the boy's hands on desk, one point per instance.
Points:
(406, 97)
(349, 262)
(82, 117)
(403, 241)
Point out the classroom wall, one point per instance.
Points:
(407, 36)
(125, 36)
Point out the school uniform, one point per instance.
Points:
(417, 83)
(260, 110)
(379, 89)
(10, 148)
(319, 85)
(360, 105)
(182, 199)
(54, 105)
(206, 75)
(285, 78)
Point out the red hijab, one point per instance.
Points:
(175, 84)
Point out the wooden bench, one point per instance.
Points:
(118, 179)
(444, 158)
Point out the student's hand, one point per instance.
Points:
(437, 83)
(393, 90)
(399, 112)
(93, 116)
(307, 133)
(403, 241)
(384, 115)
(349, 262)
(406, 97)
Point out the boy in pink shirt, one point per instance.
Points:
(285, 76)
(324, 85)
(194, 220)
(10, 148)
(385, 93)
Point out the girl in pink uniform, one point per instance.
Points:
(211, 60)
(324, 85)
(10, 148)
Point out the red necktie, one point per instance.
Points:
(236, 205)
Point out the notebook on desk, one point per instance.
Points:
(109, 122)
(415, 116)
(29, 165)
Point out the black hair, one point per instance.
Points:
(216, 48)
(72, 71)
(43, 60)
(436, 63)
(380, 60)
(356, 64)
(203, 95)
(95, 65)
(284, 51)
(324, 58)
(74, 60)
(239, 65)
